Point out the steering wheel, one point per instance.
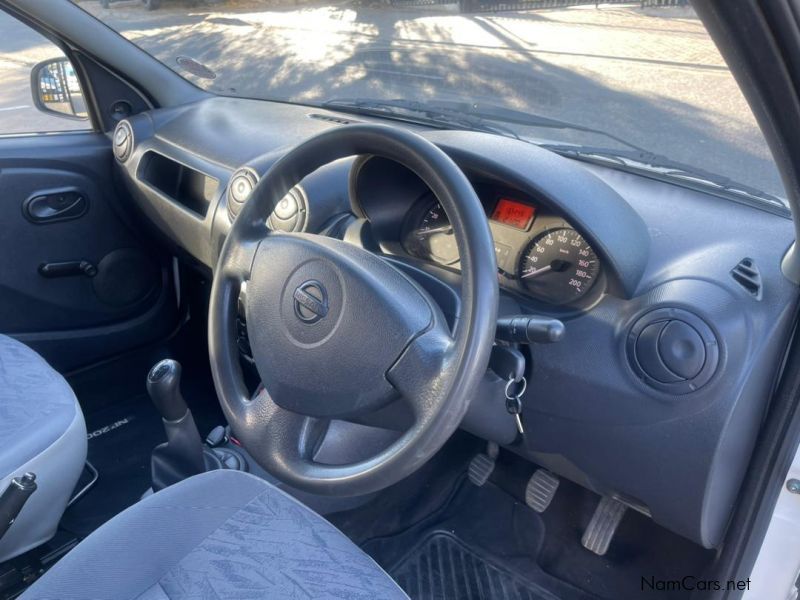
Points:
(338, 332)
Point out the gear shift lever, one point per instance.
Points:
(163, 385)
(182, 455)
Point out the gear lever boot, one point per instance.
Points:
(182, 455)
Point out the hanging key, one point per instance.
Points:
(514, 400)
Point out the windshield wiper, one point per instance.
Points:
(642, 160)
(474, 116)
(502, 114)
(432, 115)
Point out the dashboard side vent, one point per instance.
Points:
(240, 186)
(291, 212)
(332, 119)
(122, 143)
(747, 275)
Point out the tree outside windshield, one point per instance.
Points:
(648, 74)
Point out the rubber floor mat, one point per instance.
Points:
(442, 567)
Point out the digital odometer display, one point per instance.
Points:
(513, 213)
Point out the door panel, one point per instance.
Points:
(77, 284)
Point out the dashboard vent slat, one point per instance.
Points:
(332, 119)
(747, 275)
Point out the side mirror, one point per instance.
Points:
(56, 89)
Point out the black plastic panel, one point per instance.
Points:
(123, 300)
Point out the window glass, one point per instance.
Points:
(21, 50)
(642, 79)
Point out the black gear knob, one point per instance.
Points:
(163, 385)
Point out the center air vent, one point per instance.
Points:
(673, 350)
(241, 185)
(122, 142)
(290, 213)
(332, 119)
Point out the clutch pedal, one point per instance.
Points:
(482, 465)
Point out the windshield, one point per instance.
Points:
(622, 76)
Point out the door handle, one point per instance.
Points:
(67, 269)
(55, 205)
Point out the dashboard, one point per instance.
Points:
(675, 309)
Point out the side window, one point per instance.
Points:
(39, 90)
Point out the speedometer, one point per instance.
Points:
(558, 266)
(432, 237)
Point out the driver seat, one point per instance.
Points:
(221, 534)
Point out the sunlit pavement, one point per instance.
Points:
(652, 76)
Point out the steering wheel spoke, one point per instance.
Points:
(240, 258)
(422, 370)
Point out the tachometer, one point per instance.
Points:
(433, 236)
(558, 266)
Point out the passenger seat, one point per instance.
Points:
(42, 431)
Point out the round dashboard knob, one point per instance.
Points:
(682, 349)
(287, 207)
(241, 188)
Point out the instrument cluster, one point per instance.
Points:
(538, 254)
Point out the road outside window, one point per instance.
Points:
(21, 50)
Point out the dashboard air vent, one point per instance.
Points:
(673, 350)
(290, 214)
(122, 142)
(332, 119)
(241, 185)
(747, 275)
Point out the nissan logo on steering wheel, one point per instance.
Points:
(310, 301)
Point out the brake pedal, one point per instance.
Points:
(603, 526)
(540, 490)
(482, 465)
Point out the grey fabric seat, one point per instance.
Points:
(222, 534)
(42, 431)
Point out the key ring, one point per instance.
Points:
(520, 393)
(513, 403)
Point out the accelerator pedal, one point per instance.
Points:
(540, 490)
(603, 526)
(482, 465)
